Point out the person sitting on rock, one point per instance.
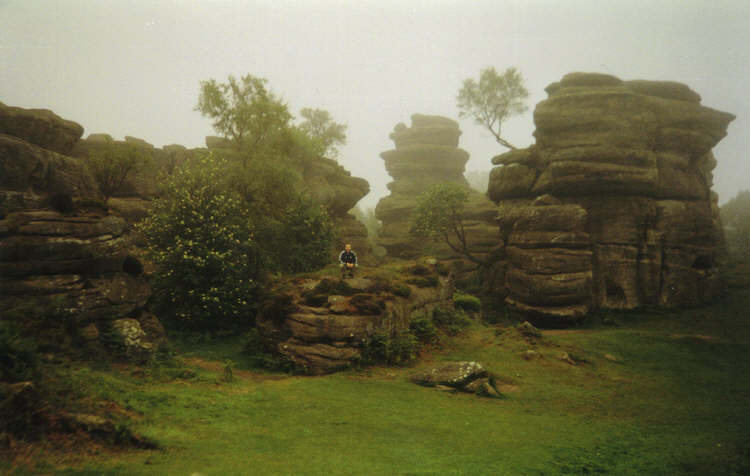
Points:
(347, 261)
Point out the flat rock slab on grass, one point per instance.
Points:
(451, 374)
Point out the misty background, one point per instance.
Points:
(133, 67)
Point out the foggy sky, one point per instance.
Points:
(133, 67)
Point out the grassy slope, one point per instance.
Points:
(675, 403)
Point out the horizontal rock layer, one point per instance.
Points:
(612, 206)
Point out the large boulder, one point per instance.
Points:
(40, 127)
(612, 207)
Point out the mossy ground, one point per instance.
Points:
(663, 392)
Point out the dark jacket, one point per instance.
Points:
(348, 257)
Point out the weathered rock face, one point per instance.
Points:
(334, 187)
(427, 154)
(64, 271)
(612, 207)
(40, 127)
(322, 326)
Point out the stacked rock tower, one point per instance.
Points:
(427, 154)
(612, 207)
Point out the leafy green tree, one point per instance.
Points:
(319, 125)
(439, 215)
(199, 237)
(245, 112)
(113, 166)
(493, 99)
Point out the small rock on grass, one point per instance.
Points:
(528, 330)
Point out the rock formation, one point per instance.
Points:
(612, 207)
(65, 273)
(322, 325)
(427, 154)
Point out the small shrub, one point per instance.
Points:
(419, 270)
(398, 348)
(18, 359)
(401, 290)
(425, 282)
(331, 286)
(467, 302)
(228, 370)
(442, 269)
(452, 321)
(260, 353)
(424, 329)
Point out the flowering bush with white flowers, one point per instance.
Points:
(202, 243)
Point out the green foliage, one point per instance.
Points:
(401, 290)
(301, 238)
(451, 320)
(334, 286)
(424, 328)
(18, 359)
(319, 125)
(467, 302)
(439, 215)
(396, 348)
(493, 99)
(256, 350)
(229, 365)
(419, 270)
(112, 166)
(199, 237)
(244, 111)
(735, 217)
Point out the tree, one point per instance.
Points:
(112, 166)
(439, 215)
(198, 235)
(245, 112)
(493, 99)
(319, 125)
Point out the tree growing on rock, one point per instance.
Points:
(245, 111)
(439, 216)
(493, 99)
(318, 124)
(114, 166)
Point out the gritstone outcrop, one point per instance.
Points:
(65, 274)
(612, 207)
(427, 154)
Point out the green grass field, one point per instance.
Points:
(662, 393)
